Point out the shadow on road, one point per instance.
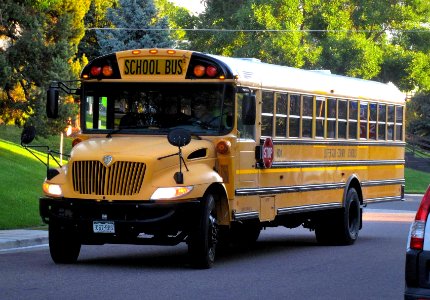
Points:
(176, 257)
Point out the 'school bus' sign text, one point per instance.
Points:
(154, 66)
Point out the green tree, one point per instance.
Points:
(95, 18)
(274, 31)
(136, 25)
(418, 115)
(349, 37)
(40, 41)
(178, 18)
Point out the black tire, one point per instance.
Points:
(203, 239)
(64, 244)
(341, 227)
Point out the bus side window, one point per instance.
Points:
(342, 117)
(372, 120)
(399, 123)
(244, 131)
(294, 116)
(382, 117)
(307, 116)
(320, 118)
(281, 115)
(363, 120)
(267, 114)
(352, 119)
(390, 123)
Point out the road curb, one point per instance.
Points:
(21, 238)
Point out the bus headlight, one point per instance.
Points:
(167, 193)
(52, 189)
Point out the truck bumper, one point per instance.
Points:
(135, 222)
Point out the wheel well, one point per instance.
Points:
(354, 183)
(221, 203)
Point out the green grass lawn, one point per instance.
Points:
(416, 181)
(13, 134)
(21, 176)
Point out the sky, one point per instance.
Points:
(193, 6)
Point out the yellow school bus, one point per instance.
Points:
(181, 146)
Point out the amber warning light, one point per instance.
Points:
(223, 147)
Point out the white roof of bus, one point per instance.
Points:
(255, 73)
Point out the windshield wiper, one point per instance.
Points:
(114, 131)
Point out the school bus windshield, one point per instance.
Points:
(153, 108)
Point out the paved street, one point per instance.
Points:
(284, 264)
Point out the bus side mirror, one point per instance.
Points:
(249, 109)
(179, 137)
(53, 95)
(28, 135)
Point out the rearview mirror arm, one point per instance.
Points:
(49, 153)
(179, 176)
(65, 88)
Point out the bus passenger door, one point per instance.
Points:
(246, 142)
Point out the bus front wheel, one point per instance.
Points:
(341, 227)
(203, 239)
(64, 245)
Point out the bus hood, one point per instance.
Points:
(142, 148)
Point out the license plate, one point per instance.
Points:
(103, 227)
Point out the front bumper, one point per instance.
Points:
(164, 223)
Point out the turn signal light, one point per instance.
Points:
(223, 147)
(76, 141)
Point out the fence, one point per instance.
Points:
(417, 154)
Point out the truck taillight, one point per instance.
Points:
(419, 225)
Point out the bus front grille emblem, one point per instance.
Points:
(107, 159)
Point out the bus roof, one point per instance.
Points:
(247, 71)
(256, 73)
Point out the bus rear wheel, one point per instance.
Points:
(341, 227)
(203, 239)
(64, 245)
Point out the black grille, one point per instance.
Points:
(121, 178)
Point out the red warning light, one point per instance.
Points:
(211, 71)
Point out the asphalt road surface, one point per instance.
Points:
(284, 264)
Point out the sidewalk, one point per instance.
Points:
(22, 238)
